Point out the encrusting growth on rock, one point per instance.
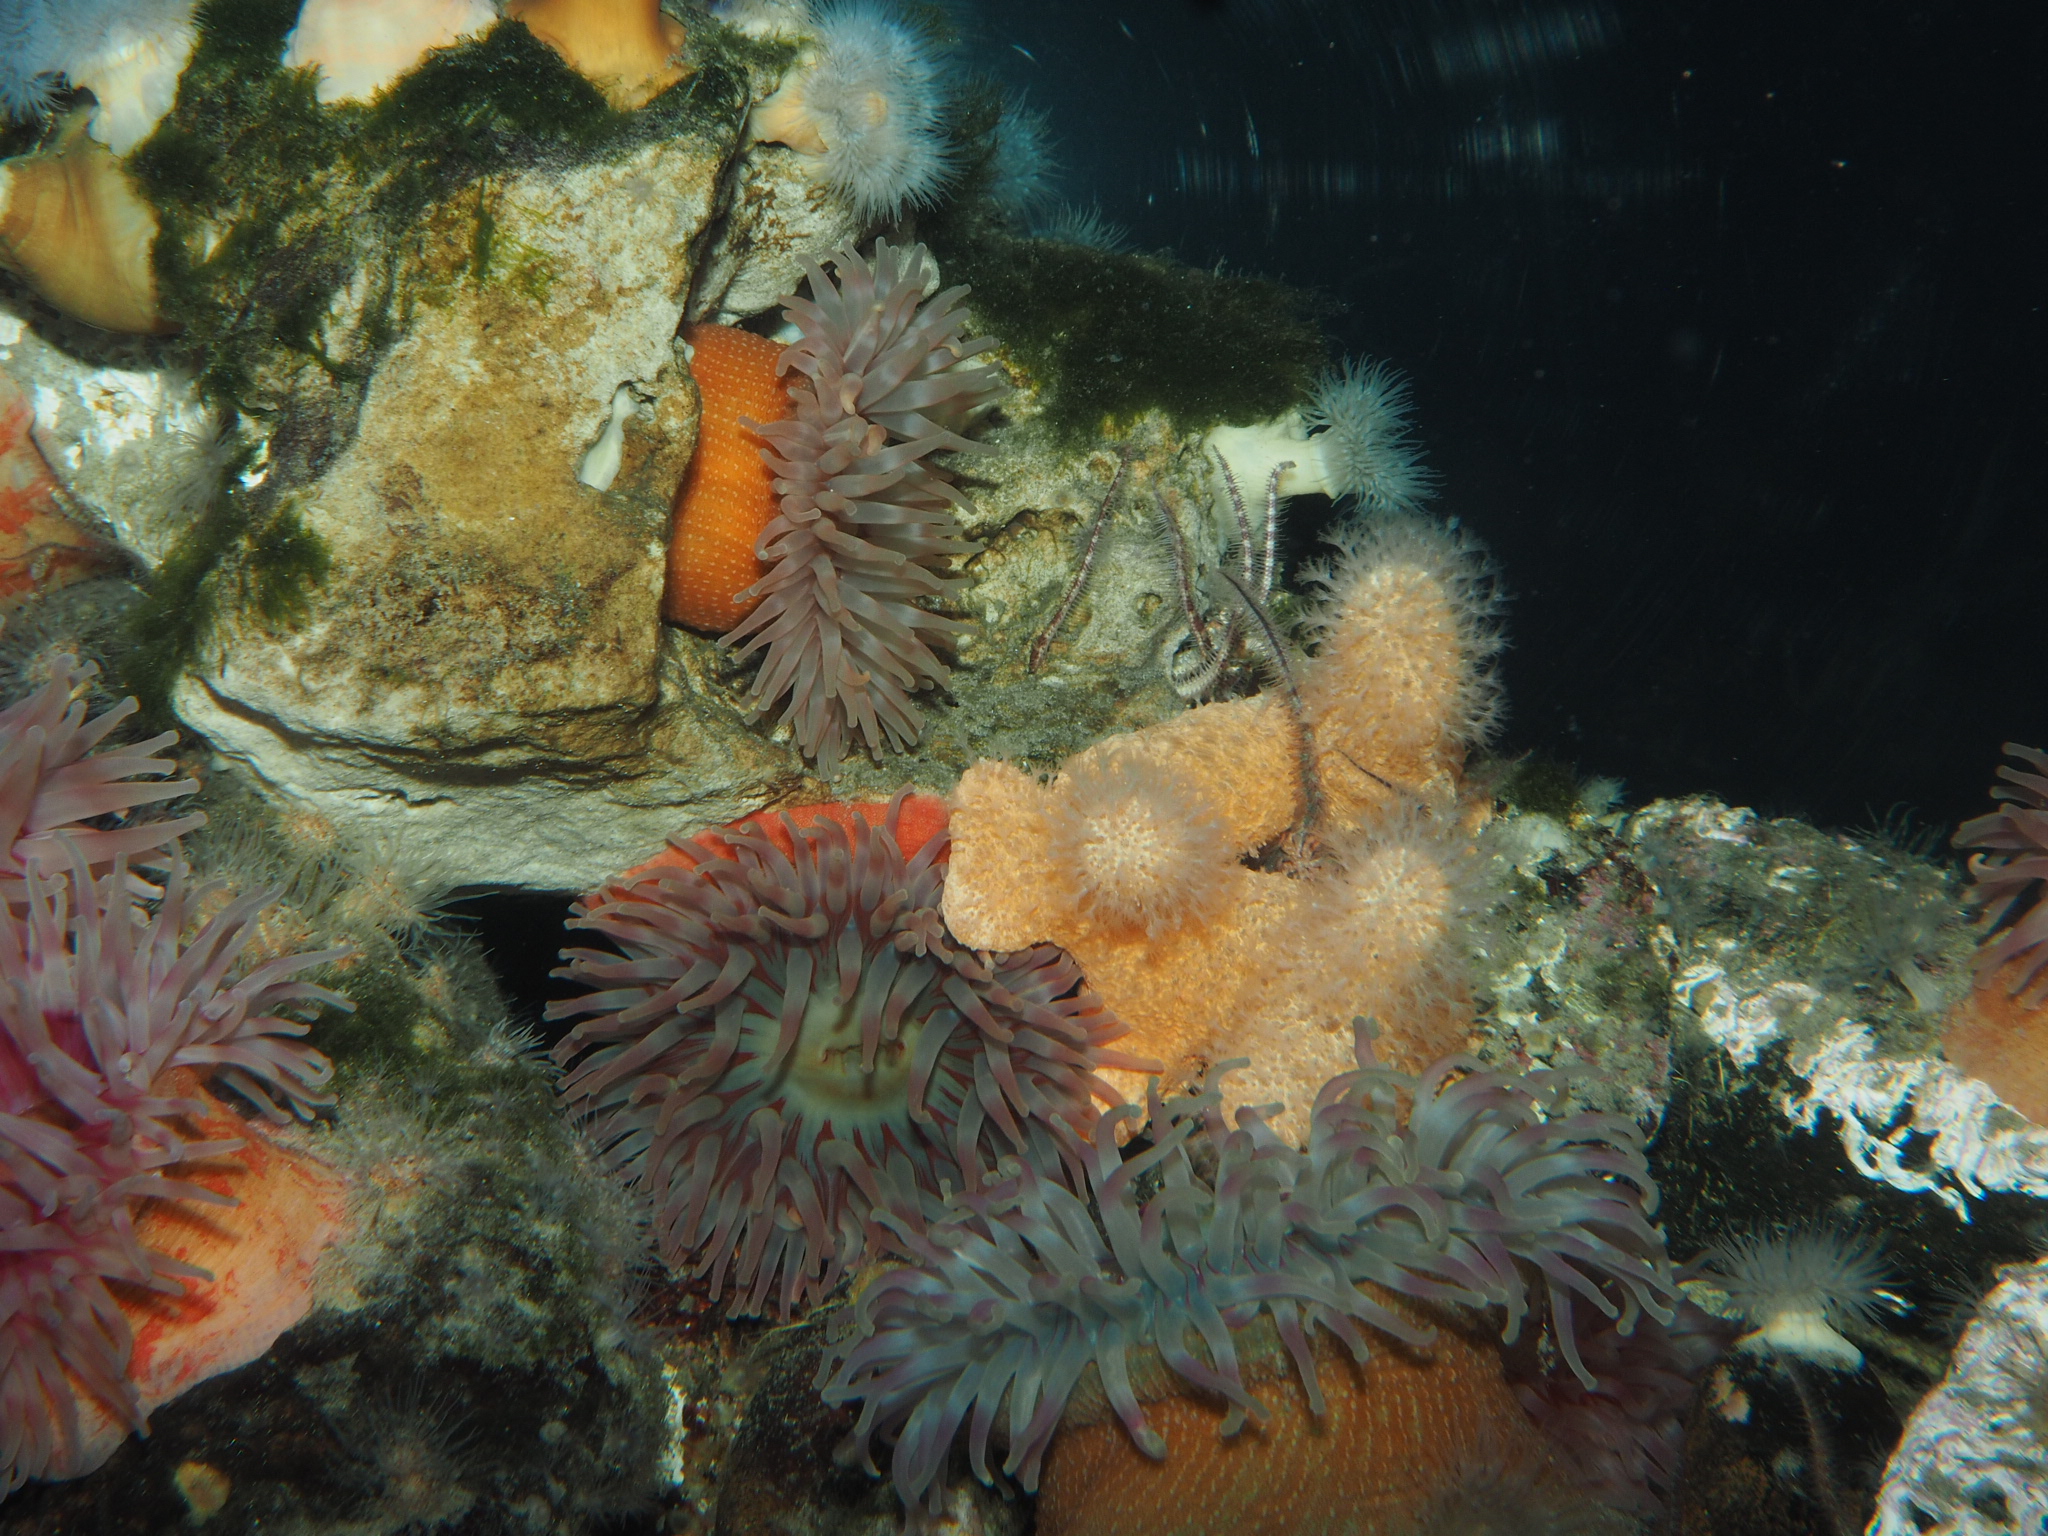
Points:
(1133, 858)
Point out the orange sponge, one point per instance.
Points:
(728, 495)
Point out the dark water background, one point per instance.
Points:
(1726, 328)
(1725, 320)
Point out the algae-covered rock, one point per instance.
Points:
(778, 213)
(402, 480)
(485, 614)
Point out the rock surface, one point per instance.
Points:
(490, 623)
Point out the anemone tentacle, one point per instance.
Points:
(790, 1040)
(101, 1003)
(55, 783)
(1463, 1186)
(866, 524)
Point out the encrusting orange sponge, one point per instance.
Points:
(728, 494)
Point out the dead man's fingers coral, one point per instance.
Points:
(1402, 683)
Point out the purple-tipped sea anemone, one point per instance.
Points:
(56, 796)
(1483, 1193)
(791, 1038)
(869, 106)
(866, 523)
(2006, 875)
(100, 1004)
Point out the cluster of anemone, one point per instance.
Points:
(789, 1038)
(1406, 629)
(2006, 871)
(867, 523)
(115, 997)
(1462, 1187)
(867, 107)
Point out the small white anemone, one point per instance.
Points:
(1793, 1286)
(1352, 440)
(1364, 439)
(867, 105)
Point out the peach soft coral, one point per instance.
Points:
(1134, 856)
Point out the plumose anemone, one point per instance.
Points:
(865, 522)
(791, 1037)
(128, 53)
(1023, 173)
(869, 106)
(1463, 1186)
(1794, 1285)
(1362, 434)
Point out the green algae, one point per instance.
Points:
(1110, 335)
(1542, 784)
(265, 558)
(272, 560)
(269, 202)
(270, 205)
